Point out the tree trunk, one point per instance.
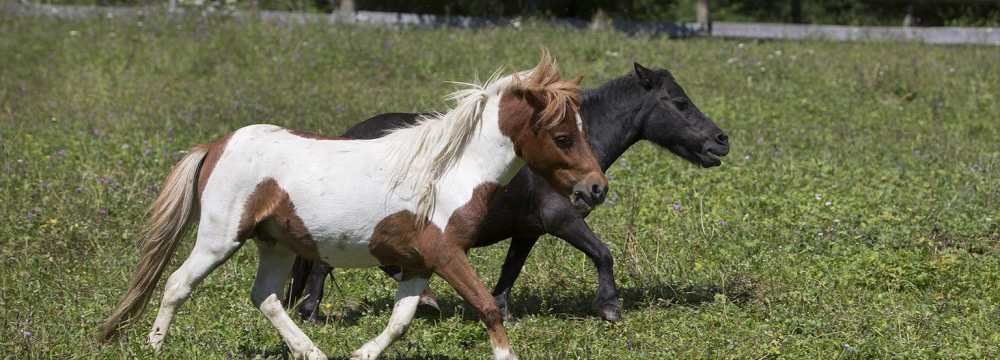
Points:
(797, 11)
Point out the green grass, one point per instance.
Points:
(856, 217)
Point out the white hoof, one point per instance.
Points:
(504, 354)
(155, 339)
(312, 354)
(366, 352)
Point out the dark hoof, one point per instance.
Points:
(316, 319)
(427, 299)
(610, 312)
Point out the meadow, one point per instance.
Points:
(856, 216)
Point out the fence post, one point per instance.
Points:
(908, 18)
(345, 11)
(704, 18)
(346, 6)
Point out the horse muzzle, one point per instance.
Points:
(589, 192)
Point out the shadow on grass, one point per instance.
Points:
(274, 351)
(580, 303)
(420, 357)
(280, 351)
(551, 301)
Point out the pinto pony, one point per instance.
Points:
(646, 104)
(413, 199)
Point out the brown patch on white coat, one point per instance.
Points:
(419, 253)
(269, 215)
(213, 153)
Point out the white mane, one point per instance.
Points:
(424, 152)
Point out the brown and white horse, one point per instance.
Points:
(414, 199)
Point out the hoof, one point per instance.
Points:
(315, 319)
(360, 354)
(313, 354)
(155, 340)
(610, 312)
(504, 354)
(428, 299)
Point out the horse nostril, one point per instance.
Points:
(599, 193)
(722, 138)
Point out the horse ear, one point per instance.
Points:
(535, 98)
(647, 78)
(537, 101)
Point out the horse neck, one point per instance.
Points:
(492, 156)
(488, 157)
(613, 122)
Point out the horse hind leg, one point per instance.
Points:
(314, 282)
(272, 273)
(210, 250)
(407, 299)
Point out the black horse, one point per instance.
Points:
(644, 105)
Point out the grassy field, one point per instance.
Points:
(856, 217)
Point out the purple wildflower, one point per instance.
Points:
(677, 206)
(102, 211)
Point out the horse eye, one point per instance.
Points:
(564, 141)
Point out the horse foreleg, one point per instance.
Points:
(272, 272)
(453, 266)
(517, 254)
(577, 233)
(407, 299)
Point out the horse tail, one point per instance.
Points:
(170, 216)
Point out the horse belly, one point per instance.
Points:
(345, 251)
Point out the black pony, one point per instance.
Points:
(645, 105)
